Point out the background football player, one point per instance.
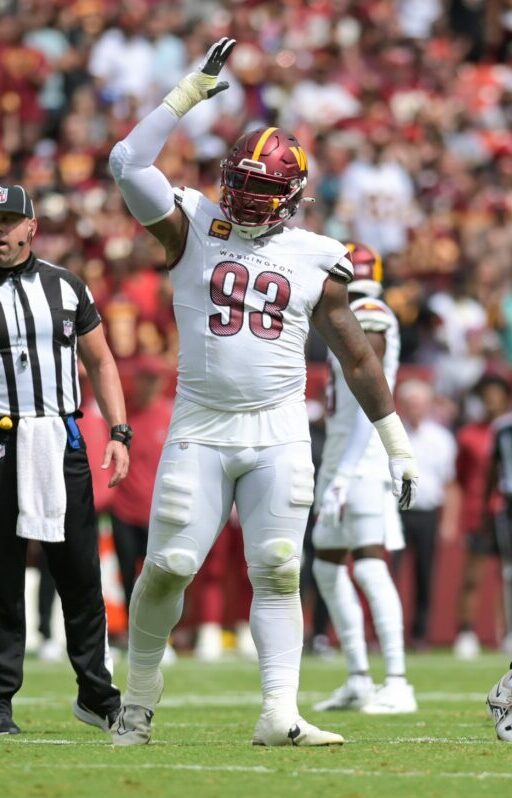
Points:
(359, 515)
(245, 288)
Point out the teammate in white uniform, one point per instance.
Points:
(244, 290)
(359, 515)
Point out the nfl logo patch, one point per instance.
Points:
(67, 325)
(2, 451)
(4, 193)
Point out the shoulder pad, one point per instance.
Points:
(372, 314)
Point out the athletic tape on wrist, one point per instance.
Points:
(393, 436)
(189, 91)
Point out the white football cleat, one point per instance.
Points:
(395, 697)
(272, 730)
(356, 692)
(499, 703)
(132, 726)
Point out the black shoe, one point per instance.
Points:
(87, 715)
(8, 726)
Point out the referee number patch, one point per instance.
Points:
(219, 228)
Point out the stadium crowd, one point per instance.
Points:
(404, 107)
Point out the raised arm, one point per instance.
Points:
(146, 190)
(363, 372)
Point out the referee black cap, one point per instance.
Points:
(14, 199)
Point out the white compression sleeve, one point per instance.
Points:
(146, 191)
(360, 434)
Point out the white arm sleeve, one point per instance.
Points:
(146, 191)
(358, 440)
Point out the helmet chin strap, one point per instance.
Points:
(250, 232)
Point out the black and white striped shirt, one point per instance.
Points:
(43, 309)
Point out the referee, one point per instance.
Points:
(47, 315)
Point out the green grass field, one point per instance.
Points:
(202, 731)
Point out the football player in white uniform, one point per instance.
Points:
(358, 514)
(245, 288)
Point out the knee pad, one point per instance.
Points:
(175, 498)
(277, 569)
(276, 551)
(281, 579)
(181, 569)
(156, 583)
(182, 563)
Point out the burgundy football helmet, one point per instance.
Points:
(262, 180)
(368, 271)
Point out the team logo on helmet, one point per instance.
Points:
(262, 179)
(368, 272)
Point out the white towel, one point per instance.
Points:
(40, 448)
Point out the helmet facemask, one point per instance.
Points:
(260, 193)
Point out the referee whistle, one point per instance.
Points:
(5, 422)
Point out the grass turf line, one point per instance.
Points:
(203, 728)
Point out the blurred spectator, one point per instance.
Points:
(474, 441)
(434, 512)
(464, 338)
(121, 59)
(377, 196)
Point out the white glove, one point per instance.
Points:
(404, 479)
(402, 462)
(201, 84)
(334, 500)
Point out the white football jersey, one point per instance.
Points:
(243, 307)
(374, 316)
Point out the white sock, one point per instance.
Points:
(155, 608)
(339, 594)
(277, 628)
(373, 577)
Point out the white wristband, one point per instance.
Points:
(394, 436)
(190, 90)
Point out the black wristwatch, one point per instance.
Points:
(122, 433)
